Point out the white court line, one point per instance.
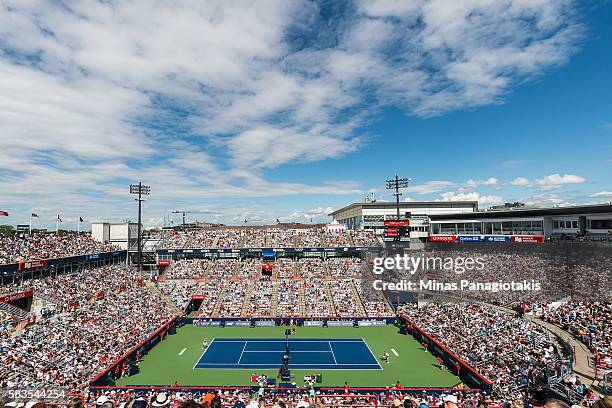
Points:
(373, 355)
(332, 351)
(182, 351)
(294, 341)
(243, 347)
(291, 364)
(394, 352)
(292, 351)
(202, 355)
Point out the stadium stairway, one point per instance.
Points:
(166, 298)
(209, 269)
(50, 299)
(237, 269)
(330, 302)
(247, 300)
(163, 276)
(326, 269)
(302, 298)
(221, 291)
(358, 300)
(274, 301)
(584, 360)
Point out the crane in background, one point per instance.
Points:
(182, 212)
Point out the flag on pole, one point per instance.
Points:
(32, 215)
(57, 224)
(3, 213)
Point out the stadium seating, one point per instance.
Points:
(24, 247)
(101, 312)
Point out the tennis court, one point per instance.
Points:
(305, 353)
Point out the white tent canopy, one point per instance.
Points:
(335, 226)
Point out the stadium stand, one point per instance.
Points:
(23, 247)
(101, 312)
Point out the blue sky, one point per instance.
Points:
(289, 109)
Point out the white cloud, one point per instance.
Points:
(429, 187)
(557, 180)
(483, 200)
(471, 184)
(200, 99)
(520, 181)
(601, 194)
(546, 200)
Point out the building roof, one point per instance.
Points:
(409, 204)
(528, 212)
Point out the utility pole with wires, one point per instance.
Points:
(140, 190)
(396, 184)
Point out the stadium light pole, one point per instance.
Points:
(396, 184)
(140, 190)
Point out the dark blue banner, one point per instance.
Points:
(469, 238)
(496, 238)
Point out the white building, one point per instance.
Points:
(372, 215)
(116, 233)
(576, 221)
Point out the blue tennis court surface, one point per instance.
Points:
(328, 354)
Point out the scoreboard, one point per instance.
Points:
(396, 231)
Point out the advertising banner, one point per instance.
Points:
(528, 238)
(367, 323)
(237, 323)
(469, 238)
(313, 322)
(442, 238)
(404, 223)
(496, 238)
(15, 296)
(340, 323)
(23, 266)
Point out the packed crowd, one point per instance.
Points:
(209, 292)
(508, 350)
(25, 247)
(561, 274)
(345, 298)
(179, 292)
(588, 321)
(311, 268)
(263, 237)
(232, 298)
(345, 267)
(393, 397)
(102, 313)
(317, 299)
(336, 239)
(189, 269)
(289, 300)
(259, 304)
(293, 287)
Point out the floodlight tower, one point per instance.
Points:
(141, 190)
(396, 184)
